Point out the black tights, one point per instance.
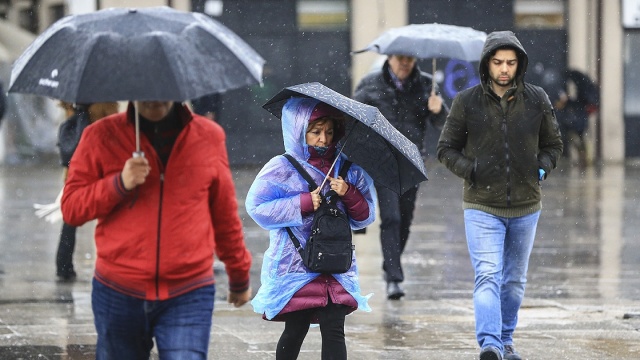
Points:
(296, 326)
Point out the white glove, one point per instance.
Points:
(50, 212)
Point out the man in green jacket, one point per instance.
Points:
(502, 138)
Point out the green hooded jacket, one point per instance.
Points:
(498, 144)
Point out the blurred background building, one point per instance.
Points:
(311, 40)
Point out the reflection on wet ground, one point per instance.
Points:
(584, 277)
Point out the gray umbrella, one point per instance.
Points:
(427, 41)
(430, 41)
(149, 54)
(391, 159)
(135, 54)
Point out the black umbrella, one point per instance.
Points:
(135, 54)
(371, 141)
(143, 54)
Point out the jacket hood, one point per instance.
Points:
(295, 121)
(500, 39)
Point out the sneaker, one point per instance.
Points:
(510, 353)
(490, 353)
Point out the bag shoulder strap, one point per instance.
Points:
(302, 171)
(295, 241)
(312, 186)
(346, 165)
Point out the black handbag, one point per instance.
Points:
(329, 249)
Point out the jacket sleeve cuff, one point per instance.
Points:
(306, 204)
(238, 286)
(119, 186)
(350, 194)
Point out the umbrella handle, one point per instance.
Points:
(137, 153)
(137, 121)
(433, 77)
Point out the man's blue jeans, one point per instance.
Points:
(126, 325)
(499, 249)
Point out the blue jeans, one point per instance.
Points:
(127, 325)
(499, 249)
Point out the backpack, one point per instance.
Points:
(329, 249)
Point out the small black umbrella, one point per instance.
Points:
(153, 54)
(371, 141)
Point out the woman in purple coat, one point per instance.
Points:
(280, 198)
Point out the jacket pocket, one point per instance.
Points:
(485, 173)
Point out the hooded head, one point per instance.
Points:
(297, 114)
(502, 40)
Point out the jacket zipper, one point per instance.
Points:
(507, 159)
(158, 239)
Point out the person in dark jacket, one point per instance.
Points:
(502, 138)
(68, 138)
(407, 98)
(574, 105)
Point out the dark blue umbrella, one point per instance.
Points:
(391, 159)
(135, 54)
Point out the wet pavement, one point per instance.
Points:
(582, 299)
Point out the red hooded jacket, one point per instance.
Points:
(158, 240)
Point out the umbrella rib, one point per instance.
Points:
(84, 66)
(229, 42)
(173, 68)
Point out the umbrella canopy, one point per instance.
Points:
(371, 141)
(135, 54)
(430, 41)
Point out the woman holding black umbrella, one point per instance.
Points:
(279, 199)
